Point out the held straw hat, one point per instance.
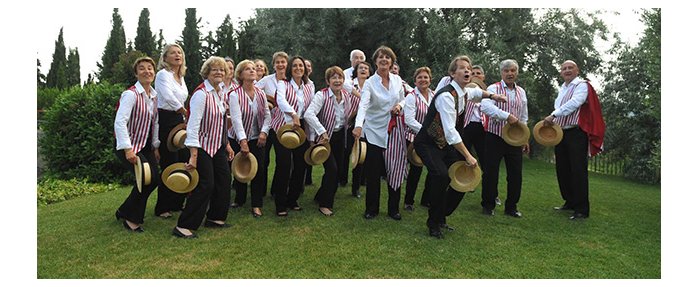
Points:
(180, 180)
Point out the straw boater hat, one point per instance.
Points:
(547, 135)
(317, 154)
(516, 134)
(244, 168)
(180, 180)
(413, 157)
(464, 178)
(290, 137)
(176, 137)
(358, 153)
(476, 83)
(142, 171)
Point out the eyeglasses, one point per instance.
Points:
(214, 70)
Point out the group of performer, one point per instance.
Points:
(239, 112)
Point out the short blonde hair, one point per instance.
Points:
(281, 54)
(142, 59)
(213, 61)
(266, 70)
(164, 65)
(422, 69)
(240, 67)
(332, 71)
(454, 63)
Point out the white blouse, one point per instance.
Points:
(171, 95)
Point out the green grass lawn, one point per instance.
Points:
(80, 238)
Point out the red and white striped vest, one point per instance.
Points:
(420, 112)
(514, 107)
(247, 114)
(352, 105)
(394, 154)
(327, 114)
(211, 130)
(277, 119)
(142, 119)
(470, 108)
(573, 118)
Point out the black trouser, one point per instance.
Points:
(287, 184)
(497, 149)
(444, 200)
(133, 208)
(271, 141)
(357, 176)
(571, 163)
(374, 166)
(473, 136)
(328, 188)
(412, 182)
(169, 200)
(257, 191)
(212, 193)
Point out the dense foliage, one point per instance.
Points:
(51, 190)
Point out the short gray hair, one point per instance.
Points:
(351, 55)
(508, 63)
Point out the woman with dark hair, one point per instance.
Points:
(172, 93)
(210, 153)
(293, 96)
(381, 122)
(136, 130)
(359, 75)
(416, 105)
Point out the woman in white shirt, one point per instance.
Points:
(359, 75)
(251, 119)
(327, 118)
(293, 98)
(172, 93)
(379, 120)
(209, 151)
(261, 68)
(136, 129)
(416, 105)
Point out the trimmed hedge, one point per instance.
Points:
(78, 135)
(55, 190)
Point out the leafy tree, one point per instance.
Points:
(40, 77)
(123, 69)
(56, 77)
(191, 43)
(116, 45)
(160, 44)
(209, 49)
(145, 41)
(633, 99)
(73, 68)
(225, 39)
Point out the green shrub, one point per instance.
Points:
(78, 135)
(45, 97)
(53, 190)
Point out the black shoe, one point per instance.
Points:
(497, 201)
(118, 215)
(409, 207)
(435, 232)
(486, 211)
(282, 213)
(296, 208)
(395, 216)
(212, 224)
(369, 215)
(514, 213)
(447, 227)
(235, 205)
(577, 216)
(179, 234)
(356, 193)
(564, 207)
(137, 229)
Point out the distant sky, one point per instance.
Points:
(89, 32)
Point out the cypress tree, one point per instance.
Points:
(40, 78)
(160, 44)
(191, 43)
(145, 40)
(56, 77)
(225, 38)
(116, 45)
(73, 68)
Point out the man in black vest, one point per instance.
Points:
(439, 144)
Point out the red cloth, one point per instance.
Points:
(591, 121)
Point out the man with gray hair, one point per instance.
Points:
(497, 115)
(356, 56)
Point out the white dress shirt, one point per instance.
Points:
(197, 106)
(348, 81)
(577, 100)
(315, 108)
(171, 95)
(283, 103)
(374, 109)
(268, 84)
(411, 109)
(446, 107)
(489, 108)
(123, 115)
